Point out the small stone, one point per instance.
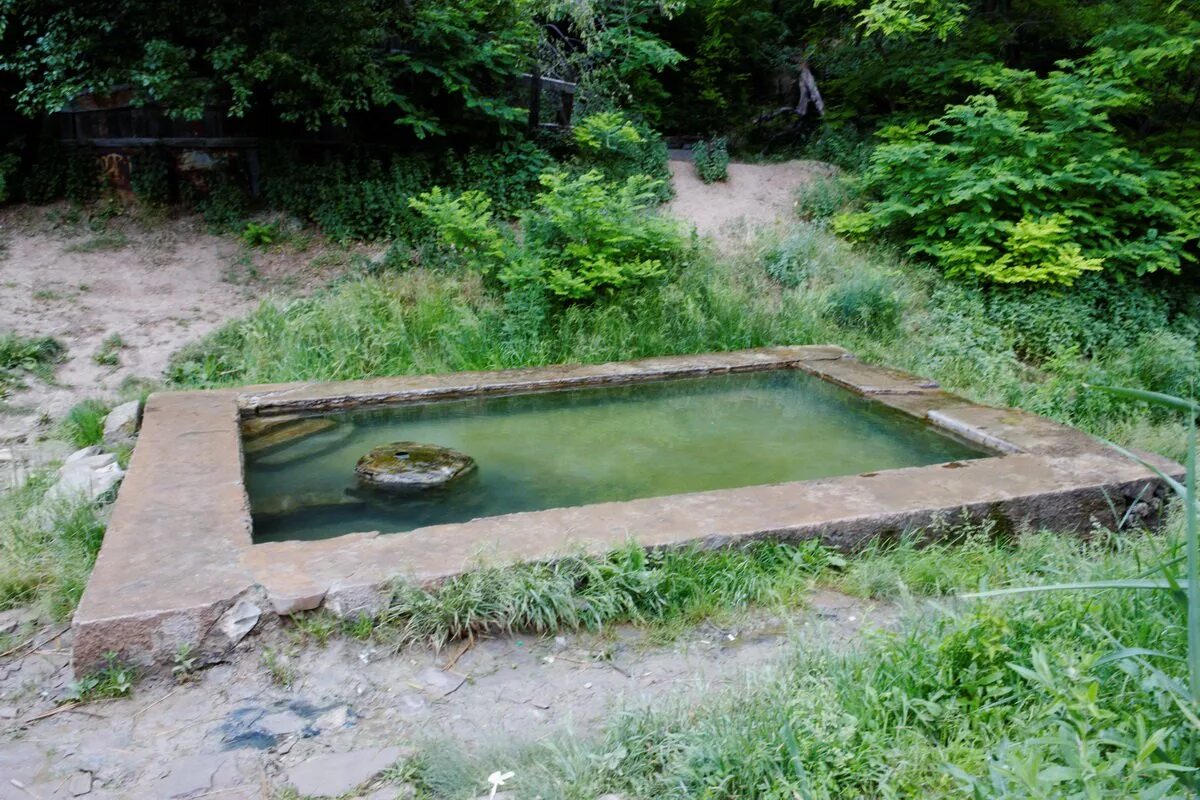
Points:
(401, 466)
(238, 621)
(121, 424)
(438, 683)
(336, 774)
(80, 784)
(87, 452)
(8, 712)
(190, 775)
(90, 477)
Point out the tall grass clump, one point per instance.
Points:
(83, 425)
(587, 593)
(47, 549)
(23, 355)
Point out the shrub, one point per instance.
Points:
(618, 148)
(867, 302)
(224, 204)
(1036, 188)
(256, 234)
(150, 176)
(8, 166)
(585, 238)
(712, 159)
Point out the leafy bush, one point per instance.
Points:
(586, 237)
(712, 159)
(610, 143)
(1035, 188)
(257, 234)
(224, 205)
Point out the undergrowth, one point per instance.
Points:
(1022, 697)
(1003, 345)
(23, 355)
(47, 549)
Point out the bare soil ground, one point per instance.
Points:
(155, 284)
(236, 732)
(754, 196)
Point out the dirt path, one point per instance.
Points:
(235, 731)
(755, 195)
(155, 286)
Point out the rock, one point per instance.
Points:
(121, 424)
(87, 476)
(87, 452)
(190, 775)
(438, 683)
(80, 784)
(336, 774)
(404, 791)
(238, 621)
(412, 465)
(270, 437)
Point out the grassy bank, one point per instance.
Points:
(989, 698)
(1006, 346)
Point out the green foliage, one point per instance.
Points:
(223, 204)
(46, 549)
(21, 355)
(1038, 193)
(8, 166)
(1028, 697)
(585, 237)
(610, 143)
(298, 61)
(149, 177)
(628, 585)
(109, 352)
(824, 197)
(257, 234)
(361, 197)
(712, 159)
(83, 426)
(111, 681)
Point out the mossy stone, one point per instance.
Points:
(401, 466)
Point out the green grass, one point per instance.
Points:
(1012, 698)
(582, 593)
(997, 346)
(109, 352)
(100, 243)
(46, 549)
(22, 355)
(83, 425)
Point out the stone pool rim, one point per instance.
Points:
(178, 553)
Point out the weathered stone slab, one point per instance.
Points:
(337, 774)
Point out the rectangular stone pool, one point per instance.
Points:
(574, 447)
(709, 450)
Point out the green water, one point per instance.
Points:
(584, 446)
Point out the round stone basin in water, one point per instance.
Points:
(593, 445)
(411, 466)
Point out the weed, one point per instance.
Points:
(316, 626)
(184, 663)
(111, 681)
(109, 353)
(20, 355)
(712, 159)
(259, 235)
(278, 667)
(83, 425)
